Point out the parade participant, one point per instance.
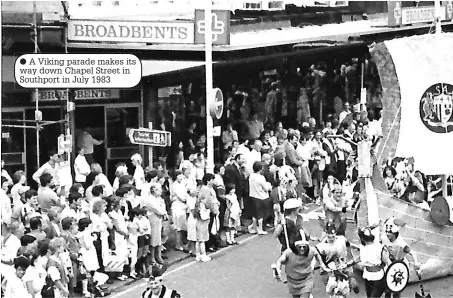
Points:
(278, 196)
(293, 222)
(397, 247)
(373, 256)
(336, 248)
(299, 261)
(156, 288)
(334, 205)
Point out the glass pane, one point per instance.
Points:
(119, 121)
(13, 137)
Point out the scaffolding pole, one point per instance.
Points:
(35, 92)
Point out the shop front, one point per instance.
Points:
(108, 115)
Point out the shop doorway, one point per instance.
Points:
(119, 119)
(91, 118)
(110, 123)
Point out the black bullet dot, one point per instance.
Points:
(23, 61)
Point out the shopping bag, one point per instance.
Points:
(114, 262)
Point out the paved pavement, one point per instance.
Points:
(244, 271)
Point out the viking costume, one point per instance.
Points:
(156, 289)
(164, 293)
(299, 264)
(398, 248)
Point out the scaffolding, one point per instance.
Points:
(38, 123)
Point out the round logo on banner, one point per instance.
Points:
(436, 108)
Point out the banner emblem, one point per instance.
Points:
(436, 108)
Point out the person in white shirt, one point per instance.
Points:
(139, 174)
(87, 142)
(19, 188)
(346, 111)
(81, 168)
(5, 172)
(121, 170)
(50, 167)
(253, 156)
(15, 286)
(259, 194)
(10, 245)
(228, 136)
(243, 149)
(101, 179)
(6, 210)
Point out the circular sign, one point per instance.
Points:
(397, 276)
(216, 106)
(436, 108)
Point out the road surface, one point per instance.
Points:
(244, 271)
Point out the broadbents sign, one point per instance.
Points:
(177, 32)
(130, 31)
(399, 15)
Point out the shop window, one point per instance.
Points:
(12, 137)
(119, 121)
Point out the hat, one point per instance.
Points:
(365, 234)
(303, 241)
(393, 225)
(292, 204)
(331, 228)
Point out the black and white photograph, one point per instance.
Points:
(226, 149)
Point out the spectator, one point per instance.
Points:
(47, 197)
(50, 167)
(259, 194)
(81, 168)
(86, 142)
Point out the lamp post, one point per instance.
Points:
(209, 86)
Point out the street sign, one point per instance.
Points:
(216, 103)
(143, 136)
(216, 131)
(64, 144)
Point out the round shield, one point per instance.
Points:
(397, 276)
(441, 211)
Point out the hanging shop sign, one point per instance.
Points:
(399, 15)
(220, 27)
(85, 94)
(153, 32)
(129, 31)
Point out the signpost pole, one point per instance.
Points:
(209, 85)
(438, 32)
(150, 148)
(438, 17)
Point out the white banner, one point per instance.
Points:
(424, 67)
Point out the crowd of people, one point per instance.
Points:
(77, 234)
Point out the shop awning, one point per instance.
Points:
(159, 67)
